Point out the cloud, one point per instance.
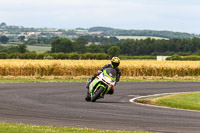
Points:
(131, 14)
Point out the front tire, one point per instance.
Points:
(88, 97)
(97, 94)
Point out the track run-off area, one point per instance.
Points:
(63, 104)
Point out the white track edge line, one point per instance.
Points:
(133, 100)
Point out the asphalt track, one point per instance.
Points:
(63, 104)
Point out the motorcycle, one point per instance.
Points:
(101, 85)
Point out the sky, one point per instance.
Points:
(170, 15)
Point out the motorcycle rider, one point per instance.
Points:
(115, 61)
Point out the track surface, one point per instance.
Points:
(63, 104)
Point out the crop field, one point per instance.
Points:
(38, 49)
(138, 37)
(90, 67)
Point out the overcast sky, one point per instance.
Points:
(172, 15)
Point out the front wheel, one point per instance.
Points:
(97, 94)
(88, 97)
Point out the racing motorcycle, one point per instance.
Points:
(101, 85)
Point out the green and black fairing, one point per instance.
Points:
(106, 80)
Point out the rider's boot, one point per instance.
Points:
(90, 80)
(88, 83)
(111, 91)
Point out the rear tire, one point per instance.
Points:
(97, 94)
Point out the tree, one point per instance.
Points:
(92, 48)
(113, 39)
(62, 45)
(1, 47)
(105, 47)
(4, 39)
(21, 38)
(43, 40)
(31, 41)
(81, 41)
(79, 45)
(2, 24)
(22, 48)
(114, 51)
(3, 55)
(10, 49)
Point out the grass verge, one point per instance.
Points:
(7, 79)
(189, 100)
(21, 128)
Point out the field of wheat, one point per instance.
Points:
(90, 67)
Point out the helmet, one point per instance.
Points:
(115, 61)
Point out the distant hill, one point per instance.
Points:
(106, 31)
(15, 31)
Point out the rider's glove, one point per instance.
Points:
(99, 71)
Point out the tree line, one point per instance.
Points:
(49, 56)
(126, 47)
(20, 48)
(156, 47)
(130, 47)
(80, 45)
(46, 41)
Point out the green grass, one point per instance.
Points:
(138, 37)
(11, 80)
(190, 100)
(84, 79)
(159, 80)
(40, 79)
(21, 128)
(38, 49)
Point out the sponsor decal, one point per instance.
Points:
(110, 74)
(92, 85)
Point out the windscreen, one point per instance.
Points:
(111, 72)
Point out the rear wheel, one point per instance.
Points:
(97, 94)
